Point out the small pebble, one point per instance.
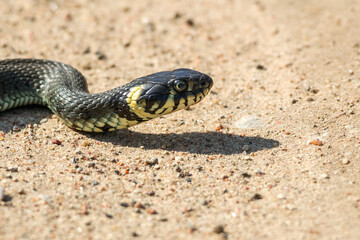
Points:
(256, 196)
(199, 168)
(245, 175)
(345, 161)
(260, 67)
(139, 205)
(219, 229)
(316, 142)
(100, 55)
(246, 148)
(205, 202)
(152, 162)
(12, 169)
(94, 183)
(45, 198)
(280, 196)
(178, 158)
(249, 122)
(178, 169)
(324, 176)
(44, 120)
(16, 129)
(87, 50)
(151, 211)
(310, 99)
(247, 158)
(56, 141)
(151, 193)
(2, 194)
(190, 22)
(108, 215)
(124, 204)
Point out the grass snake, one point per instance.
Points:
(64, 90)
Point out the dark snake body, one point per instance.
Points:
(64, 90)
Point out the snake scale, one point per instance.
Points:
(64, 90)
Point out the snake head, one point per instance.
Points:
(165, 92)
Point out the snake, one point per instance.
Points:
(64, 90)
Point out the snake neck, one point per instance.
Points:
(100, 112)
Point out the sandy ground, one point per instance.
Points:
(289, 69)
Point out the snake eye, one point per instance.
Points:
(180, 86)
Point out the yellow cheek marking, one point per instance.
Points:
(136, 95)
(155, 106)
(205, 91)
(133, 104)
(182, 101)
(169, 102)
(133, 90)
(133, 94)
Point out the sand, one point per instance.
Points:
(271, 153)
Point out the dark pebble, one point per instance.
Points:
(245, 175)
(152, 162)
(190, 22)
(56, 141)
(117, 172)
(108, 215)
(256, 196)
(260, 67)
(177, 15)
(124, 204)
(91, 165)
(310, 99)
(12, 169)
(205, 202)
(188, 179)
(100, 55)
(294, 101)
(87, 50)
(151, 193)
(219, 229)
(94, 183)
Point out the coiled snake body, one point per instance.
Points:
(64, 90)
